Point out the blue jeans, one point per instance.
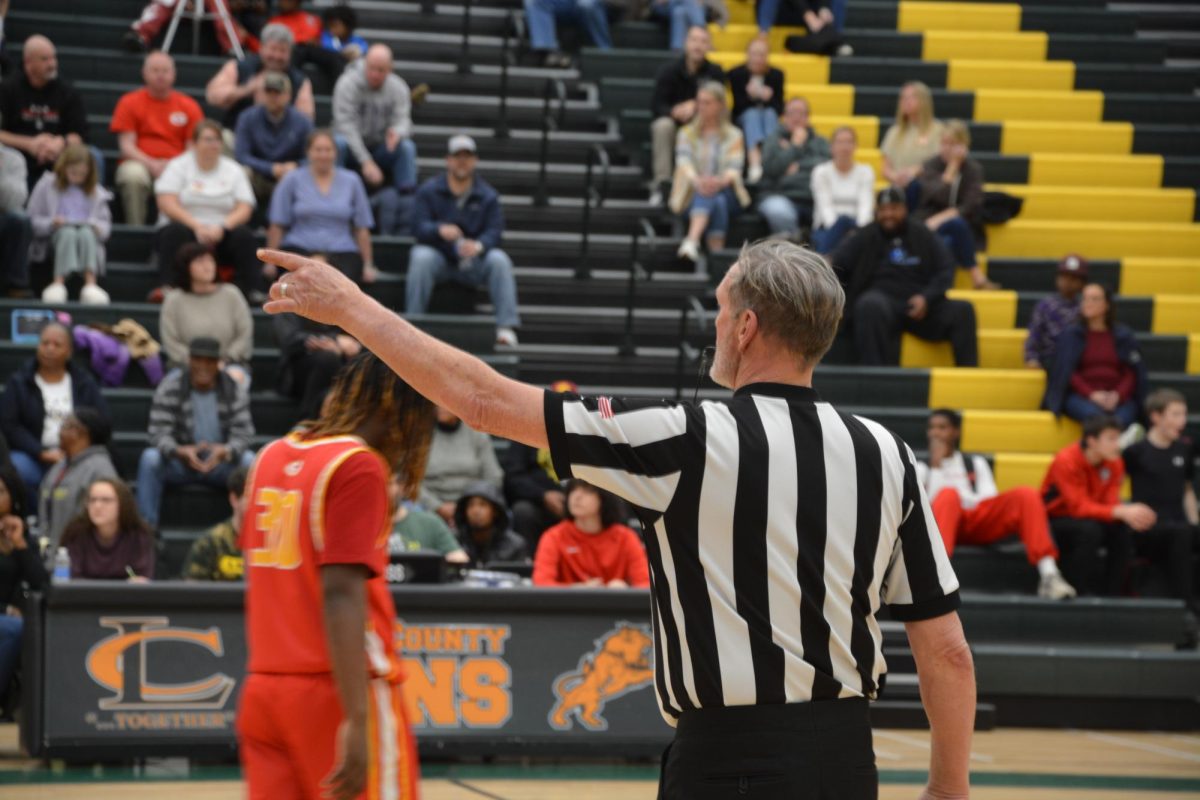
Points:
(782, 215)
(16, 232)
(718, 208)
(1081, 409)
(10, 648)
(758, 124)
(683, 14)
(31, 471)
(400, 163)
(156, 471)
(826, 239)
(768, 12)
(427, 267)
(956, 235)
(540, 16)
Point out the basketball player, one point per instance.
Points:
(321, 713)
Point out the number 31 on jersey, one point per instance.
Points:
(278, 522)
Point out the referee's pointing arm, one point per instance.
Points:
(775, 527)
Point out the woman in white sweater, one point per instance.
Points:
(843, 193)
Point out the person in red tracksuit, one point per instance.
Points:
(1082, 495)
(590, 547)
(969, 509)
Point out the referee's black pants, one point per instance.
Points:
(800, 751)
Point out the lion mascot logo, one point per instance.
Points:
(620, 664)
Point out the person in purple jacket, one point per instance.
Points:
(1055, 314)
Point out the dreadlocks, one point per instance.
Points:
(364, 388)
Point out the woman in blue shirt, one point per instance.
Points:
(321, 209)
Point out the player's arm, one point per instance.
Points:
(344, 595)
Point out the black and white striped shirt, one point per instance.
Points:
(775, 527)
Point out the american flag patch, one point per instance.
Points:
(605, 406)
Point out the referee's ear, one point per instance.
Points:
(747, 327)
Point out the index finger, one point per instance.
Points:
(288, 261)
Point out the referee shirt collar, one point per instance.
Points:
(785, 390)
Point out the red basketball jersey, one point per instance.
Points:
(312, 503)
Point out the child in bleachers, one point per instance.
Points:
(338, 36)
(69, 213)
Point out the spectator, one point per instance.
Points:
(1162, 469)
(37, 399)
(843, 193)
(310, 356)
(674, 103)
(20, 565)
(68, 210)
(40, 114)
(200, 429)
(271, 136)
(709, 158)
(789, 157)
(204, 306)
(1082, 494)
(541, 16)
(83, 440)
(306, 31)
(951, 199)
(1097, 368)
(459, 224)
(591, 547)
(757, 102)
(153, 125)
(817, 15)
(897, 272)
(1053, 315)
(205, 197)
(483, 527)
(236, 84)
(215, 556)
(414, 529)
(458, 457)
(108, 540)
(340, 23)
(322, 208)
(682, 15)
(912, 140)
(16, 232)
(372, 117)
(969, 509)
(247, 17)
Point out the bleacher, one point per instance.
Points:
(1070, 108)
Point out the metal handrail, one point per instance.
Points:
(692, 308)
(512, 29)
(464, 55)
(554, 88)
(644, 228)
(591, 195)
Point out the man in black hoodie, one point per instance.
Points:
(896, 273)
(482, 523)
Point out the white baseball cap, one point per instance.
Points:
(460, 143)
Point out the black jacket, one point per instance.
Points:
(858, 257)
(17, 568)
(56, 108)
(524, 477)
(22, 414)
(739, 77)
(292, 331)
(505, 544)
(675, 85)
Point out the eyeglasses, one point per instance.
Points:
(101, 500)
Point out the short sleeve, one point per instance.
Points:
(123, 118)
(362, 206)
(355, 515)
(242, 193)
(919, 582)
(283, 201)
(1190, 452)
(632, 448)
(173, 178)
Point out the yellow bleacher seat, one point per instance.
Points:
(1022, 238)
(741, 12)
(946, 45)
(999, 105)
(998, 349)
(971, 75)
(1176, 313)
(736, 37)
(1193, 362)
(992, 309)
(1063, 169)
(1094, 204)
(1150, 275)
(1020, 469)
(866, 128)
(836, 99)
(986, 389)
(796, 67)
(1017, 431)
(1019, 137)
(916, 16)
(872, 158)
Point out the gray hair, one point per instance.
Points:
(277, 33)
(794, 292)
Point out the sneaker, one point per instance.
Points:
(656, 197)
(506, 337)
(54, 294)
(133, 42)
(1055, 587)
(754, 174)
(689, 249)
(93, 295)
(1132, 435)
(845, 50)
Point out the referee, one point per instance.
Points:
(776, 526)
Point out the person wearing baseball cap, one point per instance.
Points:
(270, 137)
(1056, 313)
(458, 225)
(896, 272)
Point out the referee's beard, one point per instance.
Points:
(726, 361)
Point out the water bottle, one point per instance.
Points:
(62, 566)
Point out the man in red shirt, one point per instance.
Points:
(591, 547)
(153, 125)
(1082, 495)
(321, 713)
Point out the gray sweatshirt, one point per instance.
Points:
(223, 315)
(456, 460)
(13, 189)
(63, 489)
(363, 116)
